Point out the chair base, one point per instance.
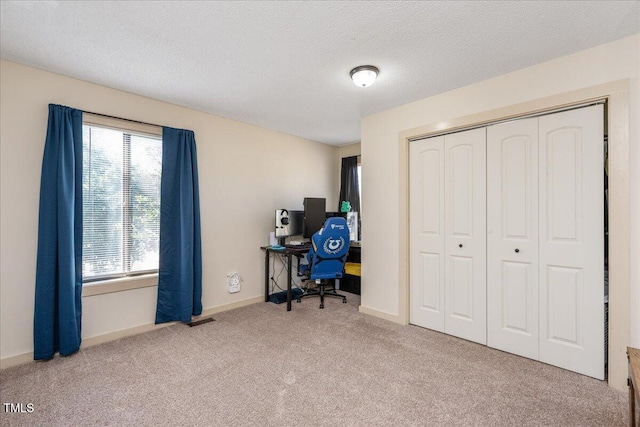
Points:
(321, 292)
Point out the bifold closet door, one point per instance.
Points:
(465, 235)
(571, 274)
(426, 233)
(448, 234)
(512, 237)
(532, 283)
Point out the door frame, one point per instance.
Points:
(616, 94)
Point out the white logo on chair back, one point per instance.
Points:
(338, 226)
(333, 246)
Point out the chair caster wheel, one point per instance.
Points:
(344, 301)
(321, 306)
(298, 301)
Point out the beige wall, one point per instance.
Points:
(384, 180)
(246, 172)
(348, 151)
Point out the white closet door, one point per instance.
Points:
(427, 233)
(512, 237)
(465, 235)
(572, 240)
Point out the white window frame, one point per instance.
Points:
(147, 279)
(360, 184)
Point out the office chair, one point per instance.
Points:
(329, 249)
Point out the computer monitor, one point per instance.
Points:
(296, 223)
(288, 223)
(314, 215)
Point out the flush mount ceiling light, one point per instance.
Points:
(364, 75)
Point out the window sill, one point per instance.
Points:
(119, 285)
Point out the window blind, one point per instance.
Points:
(121, 202)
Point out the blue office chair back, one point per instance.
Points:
(330, 249)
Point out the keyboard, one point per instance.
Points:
(302, 247)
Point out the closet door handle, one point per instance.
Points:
(517, 250)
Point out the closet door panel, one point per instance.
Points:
(512, 237)
(465, 235)
(572, 240)
(461, 287)
(426, 230)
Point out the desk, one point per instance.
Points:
(288, 252)
(633, 354)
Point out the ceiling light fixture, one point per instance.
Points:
(364, 75)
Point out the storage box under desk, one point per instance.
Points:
(351, 282)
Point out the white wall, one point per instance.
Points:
(382, 176)
(246, 172)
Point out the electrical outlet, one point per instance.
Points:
(234, 282)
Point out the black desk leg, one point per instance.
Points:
(289, 282)
(266, 275)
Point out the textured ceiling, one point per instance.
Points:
(285, 65)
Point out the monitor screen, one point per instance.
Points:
(314, 215)
(296, 223)
(289, 223)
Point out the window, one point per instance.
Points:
(360, 184)
(121, 202)
(360, 194)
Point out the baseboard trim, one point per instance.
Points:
(227, 307)
(24, 358)
(381, 314)
(20, 359)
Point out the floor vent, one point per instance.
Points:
(201, 322)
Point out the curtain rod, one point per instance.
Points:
(122, 118)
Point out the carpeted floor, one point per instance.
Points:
(262, 366)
